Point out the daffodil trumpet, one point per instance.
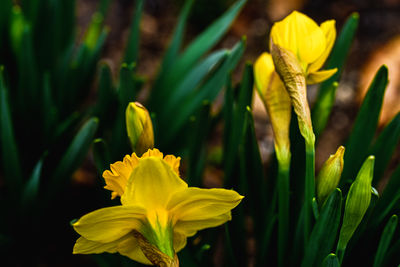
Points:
(158, 211)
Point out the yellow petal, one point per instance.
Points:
(179, 241)
(109, 224)
(116, 179)
(85, 246)
(189, 228)
(263, 69)
(328, 27)
(301, 35)
(195, 203)
(151, 184)
(320, 76)
(129, 247)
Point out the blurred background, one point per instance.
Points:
(377, 42)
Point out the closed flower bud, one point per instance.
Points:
(293, 77)
(329, 175)
(139, 128)
(277, 102)
(357, 202)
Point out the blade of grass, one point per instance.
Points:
(331, 261)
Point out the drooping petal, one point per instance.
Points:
(109, 224)
(151, 184)
(320, 76)
(190, 227)
(263, 69)
(129, 247)
(179, 241)
(195, 203)
(301, 35)
(328, 27)
(85, 246)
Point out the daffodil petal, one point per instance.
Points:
(195, 203)
(301, 35)
(85, 246)
(151, 184)
(320, 76)
(328, 27)
(109, 224)
(263, 69)
(179, 241)
(190, 228)
(129, 247)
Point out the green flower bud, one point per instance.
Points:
(139, 128)
(357, 202)
(329, 176)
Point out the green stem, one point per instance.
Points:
(309, 188)
(283, 208)
(340, 254)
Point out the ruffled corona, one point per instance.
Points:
(117, 178)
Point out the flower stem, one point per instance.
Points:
(283, 208)
(309, 188)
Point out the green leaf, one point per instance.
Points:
(198, 145)
(49, 110)
(101, 155)
(132, 48)
(337, 59)
(365, 126)
(194, 78)
(209, 90)
(384, 147)
(324, 233)
(389, 200)
(204, 42)
(386, 238)
(197, 48)
(73, 157)
(331, 261)
(11, 164)
(31, 188)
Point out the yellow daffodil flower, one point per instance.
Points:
(277, 103)
(158, 212)
(311, 44)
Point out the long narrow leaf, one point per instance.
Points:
(386, 238)
(73, 157)
(132, 48)
(9, 151)
(365, 126)
(384, 147)
(325, 230)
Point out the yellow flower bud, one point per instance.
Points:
(292, 75)
(357, 202)
(277, 102)
(329, 175)
(139, 128)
